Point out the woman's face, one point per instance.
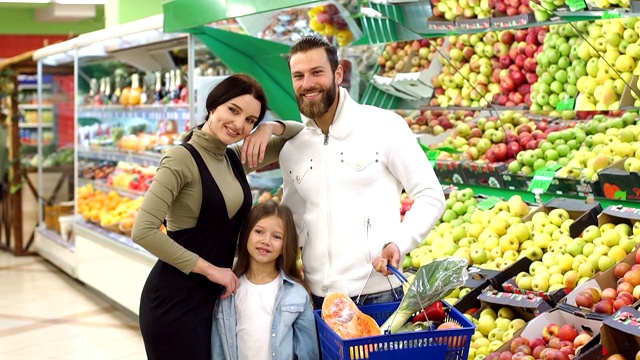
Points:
(233, 121)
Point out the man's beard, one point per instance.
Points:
(316, 109)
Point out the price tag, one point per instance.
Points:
(620, 195)
(576, 5)
(611, 15)
(488, 203)
(432, 155)
(566, 104)
(542, 180)
(553, 167)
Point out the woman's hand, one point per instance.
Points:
(222, 276)
(255, 145)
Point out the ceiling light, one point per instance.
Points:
(81, 2)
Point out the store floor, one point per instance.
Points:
(45, 314)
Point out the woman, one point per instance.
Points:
(202, 192)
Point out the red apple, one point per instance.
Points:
(538, 350)
(557, 355)
(525, 349)
(632, 277)
(604, 306)
(507, 37)
(505, 355)
(520, 340)
(625, 286)
(568, 332)
(554, 342)
(638, 256)
(621, 268)
(581, 339)
(609, 293)
(537, 342)
(584, 299)
(627, 296)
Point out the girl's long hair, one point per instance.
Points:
(287, 260)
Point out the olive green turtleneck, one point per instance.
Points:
(176, 193)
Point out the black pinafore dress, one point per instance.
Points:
(176, 309)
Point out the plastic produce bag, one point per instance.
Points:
(432, 283)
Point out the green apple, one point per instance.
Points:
(525, 283)
(508, 335)
(549, 259)
(628, 243)
(586, 269)
(516, 324)
(540, 282)
(479, 256)
(591, 233)
(558, 216)
(486, 324)
(576, 247)
(520, 231)
(542, 240)
(611, 237)
(623, 229)
(508, 242)
(555, 279)
(565, 262)
(496, 334)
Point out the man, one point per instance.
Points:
(343, 177)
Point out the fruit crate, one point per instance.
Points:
(450, 171)
(450, 344)
(487, 174)
(617, 183)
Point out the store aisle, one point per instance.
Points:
(44, 314)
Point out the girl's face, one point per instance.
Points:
(266, 240)
(233, 120)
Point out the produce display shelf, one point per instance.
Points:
(152, 112)
(22, 87)
(144, 159)
(55, 237)
(96, 232)
(544, 197)
(51, 246)
(102, 185)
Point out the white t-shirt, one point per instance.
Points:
(254, 306)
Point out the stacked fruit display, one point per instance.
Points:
(466, 9)
(586, 149)
(493, 330)
(556, 342)
(131, 177)
(108, 210)
(435, 121)
(516, 52)
(610, 55)
(609, 300)
(562, 261)
(559, 67)
(407, 56)
(326, 20)
(511, 7)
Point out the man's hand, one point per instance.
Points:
(390, 256)
(255, 145)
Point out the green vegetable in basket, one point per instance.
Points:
(432, 283)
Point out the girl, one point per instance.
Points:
(270, 316)
(201, 190)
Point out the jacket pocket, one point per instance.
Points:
(359, 160)
(289, 313)
(297, 175)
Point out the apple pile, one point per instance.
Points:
(559, 68)
(466, 79)
(511, 7)
(466, 9)
(489, 239)
(610, 300)
(555, 343)
(617, 40)
(546, 11)
(407, 56)
(326, 20)
(493, 330)
(568, 262)
(456, 294)
(435, 121)
(515, 64)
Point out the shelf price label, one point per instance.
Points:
(610, 15)
(620, 195)
(566, 104)
(448, 149)
(432, 155)
(488, 203)
(542, 180)
(576, 5)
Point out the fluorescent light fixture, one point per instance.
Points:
(81, 2)
(26, 1)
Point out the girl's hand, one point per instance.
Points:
(222, 276)
(255, 145)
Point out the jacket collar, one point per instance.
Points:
(341, 126)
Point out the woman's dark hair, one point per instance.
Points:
(287, 260)
(234, 86)
(308, 43)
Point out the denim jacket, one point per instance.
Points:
(293, 330)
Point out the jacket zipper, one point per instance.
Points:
(327, 178)
(326, 139)
(368, 227)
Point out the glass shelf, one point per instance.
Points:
(101, 185)
(157, 112)
(144, 159)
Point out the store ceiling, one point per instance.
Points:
(56, 12)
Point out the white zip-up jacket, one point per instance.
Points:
(344, 190)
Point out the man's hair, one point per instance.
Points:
(308, 43)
